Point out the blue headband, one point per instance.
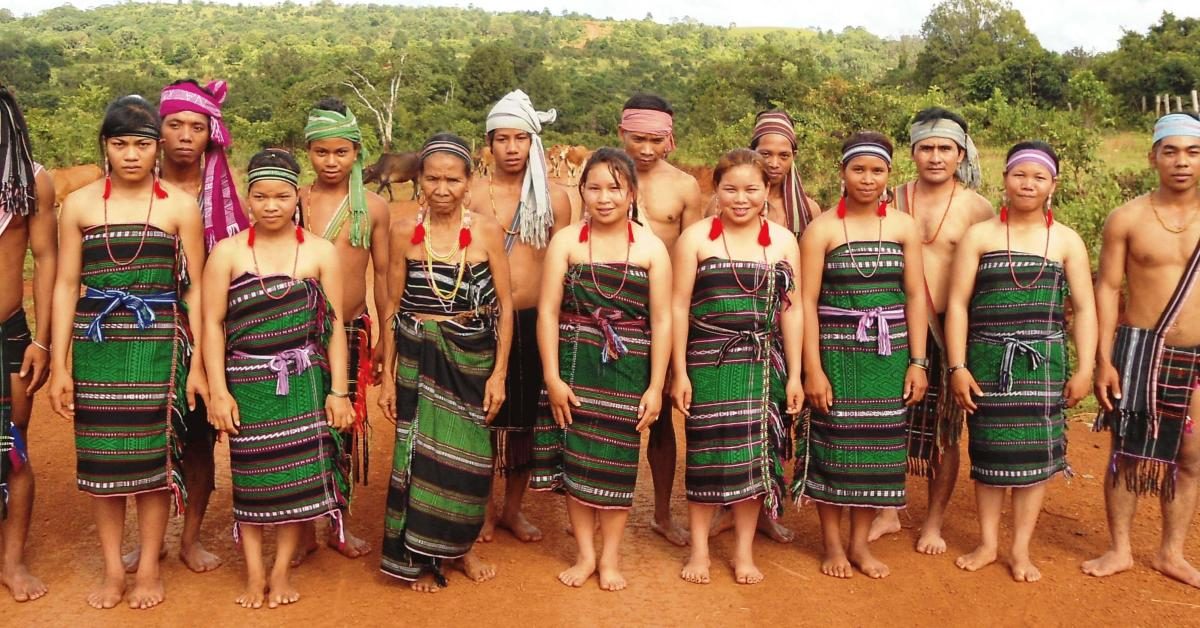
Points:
(1175, 124)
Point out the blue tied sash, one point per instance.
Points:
(139, 304)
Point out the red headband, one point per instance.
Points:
(649, 122)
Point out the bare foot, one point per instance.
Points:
(352, 547)
(868, 564)
(696, 570)
(836, 564)
(611, 578)
(978, 559)
(108, 594)
(774, 530)
(887, 521)
(254, 595)
(282, 592)
(931, 542)
(146, 593)
(1023, 570)
(577, 574)
(488, 531)
(426, 583)
(722, 521)
(520, 527)
(199, 559)
(745, 571)
(132, 559)
(673, 533)
(1177, 568)
(475, 567)
(1111, 562)
(23, 586)
(303, 552)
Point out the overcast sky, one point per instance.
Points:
(1094, 25)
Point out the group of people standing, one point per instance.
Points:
(854, 342)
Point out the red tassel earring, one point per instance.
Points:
(159, 190)
(464, 237)
(841, 209)
(764, 233)
(585, 229)
(1049, 217)
(250, 238)
(107, 186)
(714, 231)
(882, 209)
(629, 229)
(299, 234)
(418, 235)
(1004, 213)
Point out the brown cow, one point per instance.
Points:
(393, 168)
(67, 180)
(555, 158)
(577, 156)
(485, 162)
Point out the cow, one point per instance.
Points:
(485, 162)
(393, 168)
(71, 178)
(555, 157)
(576, 157)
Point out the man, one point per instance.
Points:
(668, 200)
(944, 203)
(1149, 357)
(194, 139)
(337, 207)
(518, 193)
(27, 221)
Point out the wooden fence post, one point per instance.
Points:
(1196, 101)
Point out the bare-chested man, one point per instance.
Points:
(668, 201)
(518, 193)
(1149, 355)
(194, 139)
(339, 208)
(944, 203)
(27, 222)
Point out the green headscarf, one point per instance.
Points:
(324, 125)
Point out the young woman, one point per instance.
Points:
(277, 375)
(737, 341)
(137, 246)
(448, 358)
(864, 354)
(1007, 350)
(604, 333)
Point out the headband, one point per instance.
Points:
(442, 146)
(1176, 124)
(138, 130)
(273, 173)
(868, 149)
(649, 122)
(1033, 155)
(776, 122)
(968, 171)
(327, 125)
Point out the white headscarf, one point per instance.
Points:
(534, 215)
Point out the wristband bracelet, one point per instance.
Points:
(921, 363)
(950, 370)
(40, 346)
(340, 395)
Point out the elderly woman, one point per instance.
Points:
(448, 356)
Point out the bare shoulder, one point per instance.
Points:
(559, 197)
(1127, 215)
(695, 230)
(486, 227)
(780, 233)
(226, 248)
(981, 208)
(678, 177)
(401, 229)
(319, 246)
(979, 232)
(81, 197)
(646, 237)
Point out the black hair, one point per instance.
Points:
(451, 139)
(274, 158)
(648, 101)
(1033, 145)
(620, 166)
(331, 103)
(931, 114)
(868, 137)
(129, 115)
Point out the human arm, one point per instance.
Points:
(554, 271)
(560, 205)
(338, 412)
(693, 204)
(495, 390)
(400, 235)
(191, 238)
(222, 408)
(916, 313)
(683, 265)
(661, 339)
(1108, 299)
(62, 311)
(1083, 323)
(380, 223)
(43, 243)
(958, 299)
(791, 321)
(812, 266)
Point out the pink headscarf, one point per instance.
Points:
(650, 122)
(219, 204)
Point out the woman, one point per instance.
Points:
(448, 357)
(277, 375)
(734, 330)
(864, 354)
(137, 246)
(604, 334)
(1011, 277)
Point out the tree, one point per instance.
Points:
(383, 105)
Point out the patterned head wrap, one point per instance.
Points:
(1032, 155)
(968, 173)
(18, 190)
(867, 148)
(649, 122)
(219, 203)
(795, 207)
(1176, 124)
(324, 125)
(534, 215)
